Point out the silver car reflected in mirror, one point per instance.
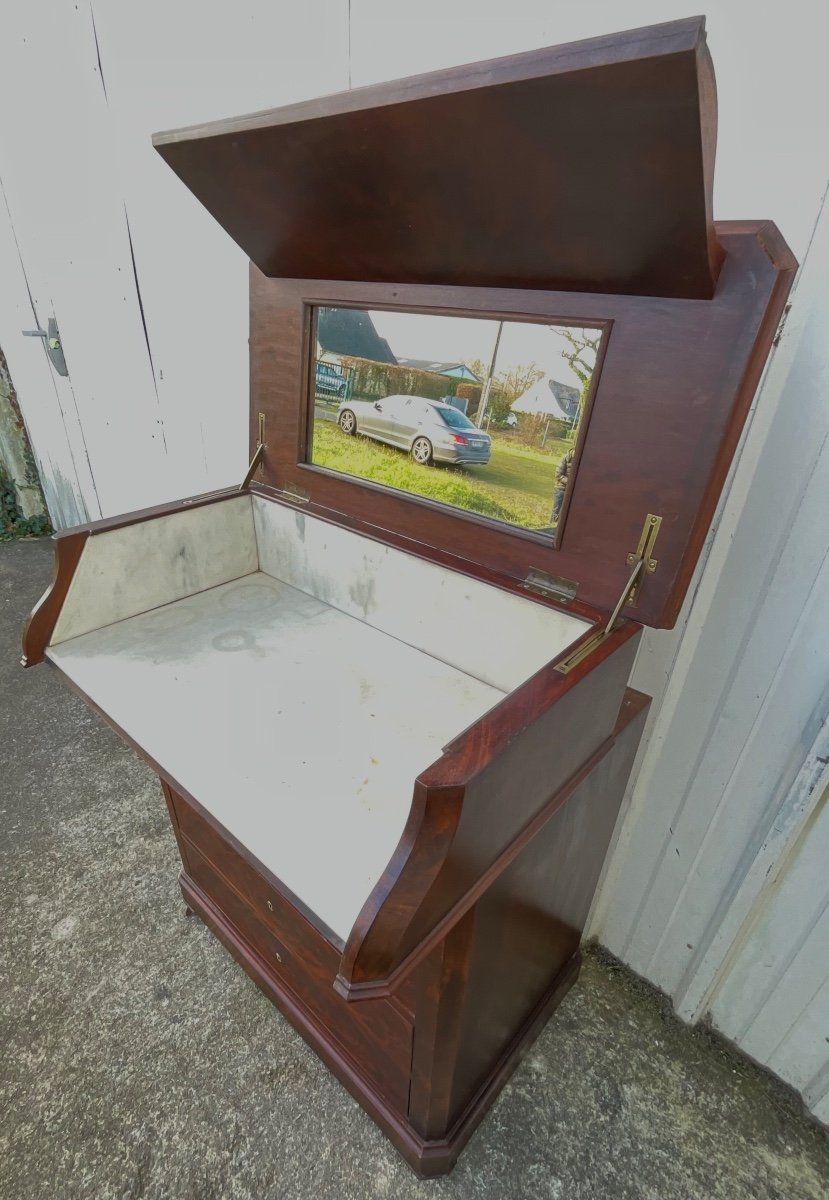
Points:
(428, 430)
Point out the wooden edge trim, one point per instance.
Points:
(520, 709)
(768, 235)
(377, 988)
(42, 620)
(160, 510)
(784, 263)
(708, 110)
(664, 38)
(421, 852)
(181, 840)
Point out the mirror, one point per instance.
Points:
(479, 414)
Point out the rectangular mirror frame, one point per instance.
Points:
(542, 538)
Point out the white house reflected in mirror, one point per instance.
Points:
(478, 414)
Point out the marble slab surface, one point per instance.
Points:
(301, 728)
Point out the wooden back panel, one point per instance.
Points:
(673, 390)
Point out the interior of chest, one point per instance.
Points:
(294, 676)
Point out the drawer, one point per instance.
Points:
(257, 887)
(375, 1034)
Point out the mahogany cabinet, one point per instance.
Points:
(394, 732)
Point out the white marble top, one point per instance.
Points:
(299, 727)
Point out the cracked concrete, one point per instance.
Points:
(140, 1062)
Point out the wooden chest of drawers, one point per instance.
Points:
(428, 1059)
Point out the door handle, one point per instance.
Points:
(51, 340)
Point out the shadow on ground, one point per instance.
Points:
(140, 1062)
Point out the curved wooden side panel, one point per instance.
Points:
(492, 790)
(487, 988)
(69, 544)
(38, 629)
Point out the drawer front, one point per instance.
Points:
(374, 1033)
(263, 896)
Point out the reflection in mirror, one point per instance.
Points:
(479, 414)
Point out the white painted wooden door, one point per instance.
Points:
(149, 293)
(67, 214)
(50, 411)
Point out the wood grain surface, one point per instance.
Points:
(604, 152)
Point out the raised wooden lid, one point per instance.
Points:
(582, 167)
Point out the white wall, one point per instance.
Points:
(773, 998)
(143, 417)
(149, 414)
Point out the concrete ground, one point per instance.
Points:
(138, 1061)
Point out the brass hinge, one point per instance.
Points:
(551, 586)
(258, 454)
(642, 562)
